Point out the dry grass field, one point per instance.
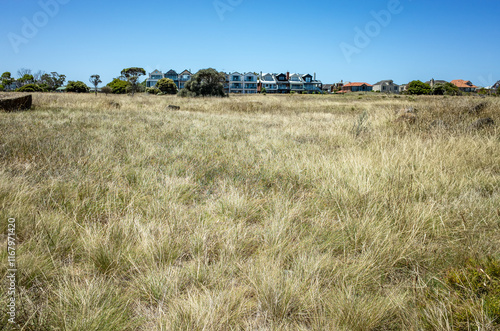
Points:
(253, 213)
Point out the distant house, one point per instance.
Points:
(283, 84)
(357, 87)
(328, 88)
(434, 82)
(179, 79)
(250, 81)
(154, 77)
(494, 87)
(184, 77)
(269, 83)
(464, 85)
(386, 86)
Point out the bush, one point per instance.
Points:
(77, 87)
(106, 90)
(152, 90)
(1, 87)
(166, 86)
(118, 86)
(206, 83)
(30, 88)
(417, 87)
(186, 93)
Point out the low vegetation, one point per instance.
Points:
(298, 212)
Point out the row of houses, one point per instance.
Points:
(249, 82)
(388, 86)
(252, 82)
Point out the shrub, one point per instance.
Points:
(166, 86)
(106, 90)
(118, 86)
(152, 90)
(206, 83)
(77, 87)
(30, 88)
(417, 87)
(1, 87)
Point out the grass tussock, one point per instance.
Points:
(261, 212)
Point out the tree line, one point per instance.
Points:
(206, 82)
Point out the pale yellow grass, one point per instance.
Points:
(259, 213)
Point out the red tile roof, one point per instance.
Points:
(357, 84)
(463, 83)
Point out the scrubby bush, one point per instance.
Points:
(205, 83)
(106, 90)
(166, 86)
(118, 86)
(417, 87)
(1, 87)
(77, 87)
(30, 88)
(152, 90)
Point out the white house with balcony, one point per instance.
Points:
(244, 83)
(268, 82)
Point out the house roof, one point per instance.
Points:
(171, 72)
(463, 83)
(385, 82)
(356, 84)
(437, 81)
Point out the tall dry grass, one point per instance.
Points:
(260, 212)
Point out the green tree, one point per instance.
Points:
(445, 89)
(52, 81)
(166, 86)
(77, 86)
(118, 86)
(132, 75)
(206, 82)
(26, 79)
(95, 80)
(417, 87)
(29, 88)
(7, 79)
(1, 87)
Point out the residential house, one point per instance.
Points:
(173, 75)
(179, 79)
(283, 84)
(434, 82)
(250, 82)
(328, 88)
(268, 82)
(296, 83)
(311, 84)
(236, 82)
(184, 77)
(464, 85)
(386, 86)
(154, 77)
(357, 87)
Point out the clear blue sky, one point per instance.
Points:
(423, 39)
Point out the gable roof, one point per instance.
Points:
(185, 72)
(171, 72)
(385, 82)
(357, 84)
(463, 83)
